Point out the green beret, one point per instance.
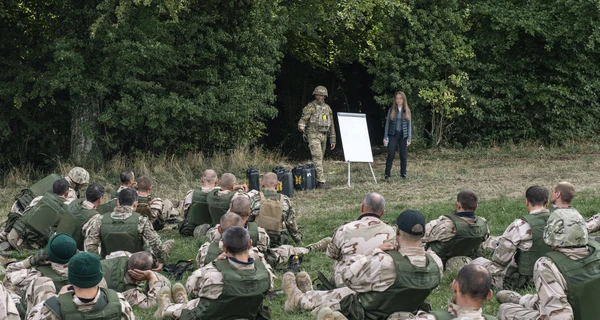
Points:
(85, 270)
(61, 247)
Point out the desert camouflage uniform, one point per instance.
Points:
(443, 229)
(593, 223)
(93, 240)
(316, 136)
(289, 215)
(516, 237)
(550, 302)
(8, 309)
(20, 275)
(355, 238)
(460, 312)
(209, 284)
(194, 282)
(140, 296)
(373, 271)
(41, 312)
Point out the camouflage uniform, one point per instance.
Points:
(187, 201)
(27, 281)
(318, 121)
(593, 223)
(516, 237)
(41, 312)
(289, 216)
(443, 229)
(460, 312)
(8, 309)
(373, 271)
(209, 285)
(144, 296)
(355, 238)
(93, 240)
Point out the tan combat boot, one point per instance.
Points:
(168, 247)
(292, 292)
(179, 293)
(321, 245)
(507, 296)
(325, 314)
(304, 282)
(164, 300)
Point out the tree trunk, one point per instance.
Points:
(84, 131)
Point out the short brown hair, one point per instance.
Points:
(468, 200)
(144, 183)
(567, 191)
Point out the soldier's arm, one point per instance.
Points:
(126, 311)
(255, 206)
(332, 136)
(41, 312)
(156, 208)
(153, 239)
(21, 273)
(440, 229)
(308, 110)
(551, 289)
(593, 223)
(210, 282)
(202, 255)
(289, 217)
(334, 249)
(507, 244)
(373, 271)
(187, 201)
(146, 300)
(92, 240)
(263, 240)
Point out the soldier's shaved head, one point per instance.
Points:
(229, 220)
(269, 180)
(209, 176)
(140, 260)
(475, 282)
(241, 206)
(144, 183)
(374, 203)
(227, 181)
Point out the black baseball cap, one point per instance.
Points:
(408, 219)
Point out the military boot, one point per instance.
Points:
(322, 185)
(304, 282)
(507, 296)
(179, 293)
(325, 314)
(168, 246)
(321, 245)
(201, 230)
(164, 300)
(292, 292)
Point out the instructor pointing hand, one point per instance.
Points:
(316, 123)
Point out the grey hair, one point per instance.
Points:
(374, 202)
(236, 240)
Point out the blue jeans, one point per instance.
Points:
(396, 141)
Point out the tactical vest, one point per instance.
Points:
(218, 204)
(58, 280)
(245, 290)
(583, 280)
(270, 216)
(114, 271)
(107, 207)
(108, 306)
(466, 241)
(38, 189)
(412, 286)
(253, 231)
(39, 223)
(212, 253)
(72, 222)
(121, 234)
(445, 315)
(526, 259)
(319, 121)
(198, 212)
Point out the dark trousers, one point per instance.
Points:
(396, 141)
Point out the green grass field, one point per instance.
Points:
(499, 175)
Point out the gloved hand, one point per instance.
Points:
(39, 258)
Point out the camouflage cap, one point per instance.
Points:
(320, 90)
(79, 175)
(565, 228)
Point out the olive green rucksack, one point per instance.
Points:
(38, 189)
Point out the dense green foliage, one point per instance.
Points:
(90, 79)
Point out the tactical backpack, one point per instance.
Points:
(39, 223)
(270, 216)
(38, 189)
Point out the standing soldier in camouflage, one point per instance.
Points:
(84, 299)
(360, 236)
(388, 279)
(195, 207)
(317, 123)
(455, 237)
(42, 275)
(274, 212)
(8, 309)
(566, 279)
(522, 243)
(124, 230)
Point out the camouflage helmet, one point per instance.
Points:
(79, 175)
(565, 228)
(320, 90)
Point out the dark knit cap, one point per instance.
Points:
(85, 270)
(61, 247)
(408, 219)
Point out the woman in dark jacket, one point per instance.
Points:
(397, 133)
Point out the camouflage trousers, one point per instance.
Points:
(173, 311)
(8, 309)
(317, 299)
(317, 143)
(497, 272)
(38, 290)
(282, 254)
(513, 311)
